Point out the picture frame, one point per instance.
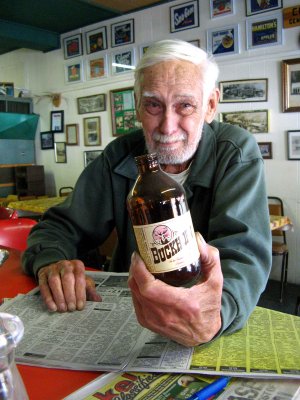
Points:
(90, 156)
(122, 33)
(195, 42)
(123, 61)
(123, 112)
(96, 67)
(60, 152)
(221, 8)
(72, 46)
(96, 40)
(91, 104)
(7, 89)
(254, 121)
(72, 131)
(254, 7)
(74, 72)
(266, 150)
(184, 16)
(143, 48)
(243, 90)
(47, 140)
(57, 121)
(293, 138)
(223, 41)
(291, 85)
(92, 131)
(264, 31)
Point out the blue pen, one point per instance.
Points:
(211, 389)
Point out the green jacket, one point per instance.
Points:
(227, 199)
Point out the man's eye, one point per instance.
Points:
(185, 108)
(153, 107)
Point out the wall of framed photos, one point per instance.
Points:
(259, 62)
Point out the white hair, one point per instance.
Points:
(167, 50)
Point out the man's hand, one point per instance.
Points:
(64, 286)
(189, 316)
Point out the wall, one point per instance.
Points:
(44, 73)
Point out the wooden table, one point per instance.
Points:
(41, 383)
(36, 205)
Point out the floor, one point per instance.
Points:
(270, 297)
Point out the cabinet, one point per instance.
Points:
(16, 105)
(30, 180)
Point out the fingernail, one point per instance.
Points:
(133, 256)
(62, 307)
(52, 307)
(71, 307)
(80, 305)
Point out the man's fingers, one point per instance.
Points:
(91, 293)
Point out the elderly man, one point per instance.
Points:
(222, 171)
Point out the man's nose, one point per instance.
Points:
(169, 121)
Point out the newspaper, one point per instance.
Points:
(106, 336)
(149, 386)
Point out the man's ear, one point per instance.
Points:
(137, 109)
(213, 101)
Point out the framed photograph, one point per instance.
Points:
(220, 8)
(144, 48)
(96, 67)
(294, 145)
(264, 31)
(74, 72)
(72, 134)
(92, 131)
(184, 16)
(90, 156)
(256, 7)
(7, 89)
(122, 33)
(72, 46)
(60, 151)
(195, 42)
(123, 111)
(47, 140)
(123, 61)
(265, 149)
(243, 91)
(254, 121)
(96, 40)
(223, 41)
(291, 85)
(90, 104)
(57, 121)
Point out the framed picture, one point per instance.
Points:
(144, 48)
(123, 111)
(254, 121)
(195, 42)
(265, 149)
(72, 134)
(122, 33)
(72, 46)
(123, 61)
(96, 40)
(294, 145)
(291, 85)
(255, 7)
(184, 16)
(243, 91)
(264, 31)
(60, 152)
(90, 156)
(74, 72)
(220, 8)
(90, 104)
(7, 89)
(47, 140)
(57, 121)
(96, 67)
(223, 41)
(92, 131)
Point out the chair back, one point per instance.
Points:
(65, 190)
(14, 232)
(276, 208)
(7, 213)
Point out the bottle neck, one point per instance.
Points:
(147, 163)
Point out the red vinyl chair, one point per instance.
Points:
(7, 213)
(14, 232)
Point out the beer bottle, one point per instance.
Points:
(162, 225)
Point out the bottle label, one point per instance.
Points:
(167, 245)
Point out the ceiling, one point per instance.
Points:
(37, 24)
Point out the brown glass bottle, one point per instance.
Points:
(162, 225)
